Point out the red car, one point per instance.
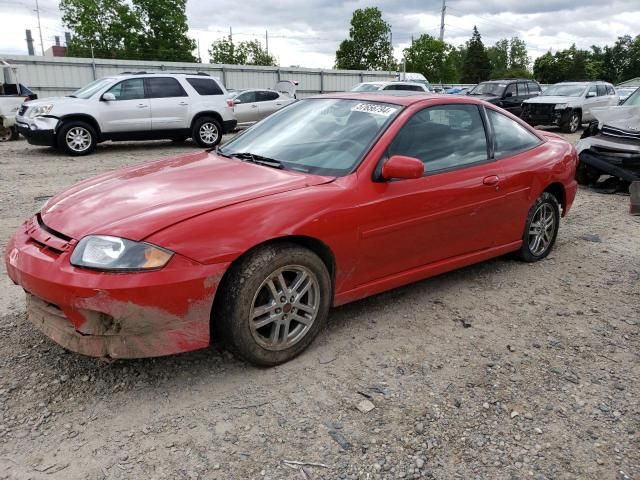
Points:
(327, 201)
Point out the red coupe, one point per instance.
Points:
(327, 201)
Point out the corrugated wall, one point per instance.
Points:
(54, 76)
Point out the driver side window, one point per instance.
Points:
(132, 89)
(443, 137)
(247, 97)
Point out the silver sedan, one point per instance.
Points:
(252, 105)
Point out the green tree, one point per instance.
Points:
(499, 57)
(432, 58)
(226, 52)
(163, 35)
(106, 28)
(256, 55)
(518, 55)
(368, 46)
(476, 67)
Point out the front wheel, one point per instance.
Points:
(273, 303)
(7, 133)
(77, 138)
(206, 132)
(541, 228)
(571, 123)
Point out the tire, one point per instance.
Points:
(586, 174)
(572, 122)
(6, 134)
(546, 206)
(248, 295)
(206, 132)
(15, 135)
(76, 138)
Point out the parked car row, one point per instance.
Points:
(144, 106)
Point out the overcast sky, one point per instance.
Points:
(308, 33)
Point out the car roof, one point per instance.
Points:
(399, 97)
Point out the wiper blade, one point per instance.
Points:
(72, 96)
(257, 159)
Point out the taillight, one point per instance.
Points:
(229, 102)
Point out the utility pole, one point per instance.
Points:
(230, 35)
(30, 43)
(39, 27)
(199, 57)
(266, 39)
(444, 9)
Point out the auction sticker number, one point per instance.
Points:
(374, 108)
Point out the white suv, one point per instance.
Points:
(138, 106)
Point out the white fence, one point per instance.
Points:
(56, 76)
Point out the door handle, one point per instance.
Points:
(254, 106)
(183, 104)
(142, 105)
(491, 180)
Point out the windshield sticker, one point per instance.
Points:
(374, 108)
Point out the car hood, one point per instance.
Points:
(551, 99)
(138, 201)
(50, 101)
(622, 117)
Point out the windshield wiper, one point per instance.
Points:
(257, 159)
(72, 96)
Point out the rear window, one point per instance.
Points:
(205, 86)
(165, 87)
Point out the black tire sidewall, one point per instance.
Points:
(195, 132)
(566, 127)
(232, 316)
(525, 252)
(62, 142)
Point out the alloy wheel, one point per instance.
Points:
(78, 139)
(5, 134)
(574, 122)
(541, 229)
(209, 132)
(284, 307)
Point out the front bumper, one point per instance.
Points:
(612, 156)
(113, 315)
(551, 117)
(39, 130)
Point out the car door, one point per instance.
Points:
(246, 107)
(169, 104)
(448, 212)
(129, 111)
(590, 101)
(268, 102)
(510, 100)
(613, 97)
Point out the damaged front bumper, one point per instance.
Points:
(112, 315)
(611, 156)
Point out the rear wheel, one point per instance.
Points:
(206, 132)
(273, 303)
(586, 174)
(541, 228)
(6, 134)
(77, 138)
(572, 122)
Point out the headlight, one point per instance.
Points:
(112, 253)
(560, 106)
(40, 110)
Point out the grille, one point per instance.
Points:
(620, 133)
(540, 108)
(23, 110)
(46, 238)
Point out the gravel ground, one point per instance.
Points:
(502, 370)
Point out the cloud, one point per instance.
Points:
(308, 33)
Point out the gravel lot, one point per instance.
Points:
(503, 370)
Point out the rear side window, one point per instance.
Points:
(205, 86)
(267, 96)
(522, 89)
(533, 87)
(510, 136)
(165, 87)
(247, 97)
(443, 137)
(511, 89)
(610, 90)
(602, 90)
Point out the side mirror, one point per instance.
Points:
(508, 94)
(592, 94)
(399, 166)
(236, 101)
(108, 97)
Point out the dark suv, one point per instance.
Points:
(508, 94)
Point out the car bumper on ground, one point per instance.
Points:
(39, 130)
(112, 315)
(611, 156)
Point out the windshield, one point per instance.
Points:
(324, 136)
(565, 90)
(367, 87)
(488, 89)
(89, 90)
(633, 99)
